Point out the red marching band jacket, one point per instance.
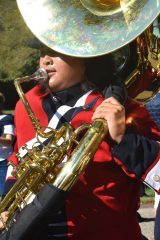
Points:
(107, 193)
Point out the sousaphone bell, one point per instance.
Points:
(88, 28)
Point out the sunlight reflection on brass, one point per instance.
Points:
(102, 7)
(106, 7)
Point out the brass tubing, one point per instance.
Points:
(81, 156)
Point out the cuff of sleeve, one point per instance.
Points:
(136, 153)
(152, 176)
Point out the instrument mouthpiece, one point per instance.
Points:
(40, 75)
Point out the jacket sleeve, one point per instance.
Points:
(138, 153)
(139, 157)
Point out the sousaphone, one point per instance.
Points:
(88, 28)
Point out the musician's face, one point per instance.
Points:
(63, 71)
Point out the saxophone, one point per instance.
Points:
(43, 164)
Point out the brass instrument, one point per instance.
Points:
(42, 164)
(77, 28)
(104, 29)
(148, 49)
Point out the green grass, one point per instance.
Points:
(149, 197)
(149, 192)
(16, 57)
(8, 111)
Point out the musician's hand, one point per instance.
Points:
(3, 219)
(114, 113)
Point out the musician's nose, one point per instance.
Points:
(46, 60)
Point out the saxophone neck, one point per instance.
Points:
(40, 75)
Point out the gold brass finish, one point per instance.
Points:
(44, 163)
(148, 50)
(81, 156)
(102, 7)
(40, 75)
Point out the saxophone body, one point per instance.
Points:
(54, 163)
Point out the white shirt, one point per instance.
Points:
(8, 128)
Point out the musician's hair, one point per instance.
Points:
(100, 70)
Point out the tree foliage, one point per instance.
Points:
(16, 57)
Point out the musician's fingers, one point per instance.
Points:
(106, 108)
(3, 219)
(114, 114)
(109, 108)
(112, 100)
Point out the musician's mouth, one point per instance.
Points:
(51, 72)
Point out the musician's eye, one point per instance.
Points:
(47, 51)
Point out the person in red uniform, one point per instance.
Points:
(104, 201)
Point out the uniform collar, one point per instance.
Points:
(73, 92)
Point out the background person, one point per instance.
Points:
(6, 141)
(153, 107)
